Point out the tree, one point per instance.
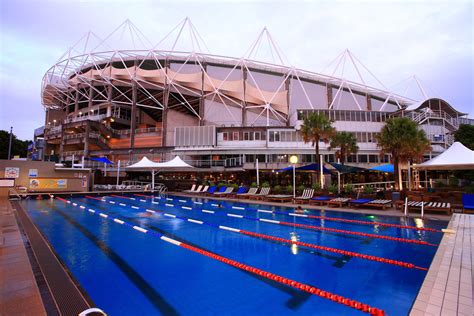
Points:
(347, 144)
(465, 135)
(401, 138)
(19, 147)
(317, 127)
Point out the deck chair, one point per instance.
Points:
(383, 204)
(359, 202)
(204, 189)
(319, 200)
(228, 190)
(468, 202)
(279, 197)
(263, 192)
(252, 191)
(192, 189)
(240, 191)
(438, 207)
(305, 196)
(338, 202)
(210, 190)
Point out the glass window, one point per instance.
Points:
(352, 158)
(246, 135)
(362, 158)
(225, 136)
(236, 135)
(277, 136)
(257, 135)
(373, 158)
(272, 137)
(363, 137)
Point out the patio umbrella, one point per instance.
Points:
(383, 168)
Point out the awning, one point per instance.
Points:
(346, 169)
(310, 167)
(456, 157)
(384, 168)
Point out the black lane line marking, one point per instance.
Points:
(297, 297)
(153, 296)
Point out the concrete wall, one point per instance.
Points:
(46, 170)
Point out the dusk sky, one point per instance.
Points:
(430, 39)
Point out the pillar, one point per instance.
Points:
(329, 94)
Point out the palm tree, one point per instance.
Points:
(401, 138)
(317, 127)
(347, 144)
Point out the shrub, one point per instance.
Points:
(368, 190)
(289, 189)
(316, 187)
(277, 188)
(332, 188)
(348, 188)
(300, 188)
(253, 185)
(265, 184)
(440, 184)
(221, 184)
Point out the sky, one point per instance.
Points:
(394, 40)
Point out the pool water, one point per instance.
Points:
(128, 272)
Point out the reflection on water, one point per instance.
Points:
(294, 247)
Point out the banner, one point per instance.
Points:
(33, 173)
(41, 184)
(12, 172)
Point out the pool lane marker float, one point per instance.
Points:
(264, 274)
(299, 243)
(326, 229)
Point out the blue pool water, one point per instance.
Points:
(126, 272)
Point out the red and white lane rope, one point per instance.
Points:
(288, 241)
(314, 227)
(366, 308)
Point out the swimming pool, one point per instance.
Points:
(178, 255)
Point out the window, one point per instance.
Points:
(362, 158)
(225, 136)
(373, 158)
(257, 135)
(235, 135)
(352, 158)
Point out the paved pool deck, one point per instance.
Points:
(447, 288)
(19, 293)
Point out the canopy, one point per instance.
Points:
(383, 168)
(456, 157)
(145, 164)
(310, 167)
(346, 169)
(102, 159)
(176, 162)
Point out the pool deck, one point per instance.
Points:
(19, 293)
(447, 288)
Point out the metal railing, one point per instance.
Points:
(421, 116)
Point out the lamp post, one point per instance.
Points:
(294, 161)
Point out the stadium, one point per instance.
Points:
(216, 112)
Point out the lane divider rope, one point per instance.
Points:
(332, 230)
(299, 243)
(351, 221)
(262, 273)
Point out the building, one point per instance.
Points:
(216, 112)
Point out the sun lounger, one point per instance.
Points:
(383, 204)
(338, 202)
(252, 191)
(263, 192)
(359, 202)
(468, 202)
(438, 207)
(193, 189)
(240, 191)
(204, 189)
(279, 197)
(228, 190)
(211, 190)
(319, 200)
(220, 190)
(307, 194)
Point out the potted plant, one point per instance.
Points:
(332, 188)
(277, 188)
(289, 189)
(348, 190)
(265, 184)
(300, 188)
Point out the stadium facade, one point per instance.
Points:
(216, 112)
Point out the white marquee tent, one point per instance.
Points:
(146, 164)
(456, 157)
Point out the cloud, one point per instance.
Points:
(393, 39)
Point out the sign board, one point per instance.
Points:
(12, 172)
(33, 173)
(7, 183)
(41, 184)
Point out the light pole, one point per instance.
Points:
(294, 161)
(10, 143)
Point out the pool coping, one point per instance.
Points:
(448, 286)
(66, 292)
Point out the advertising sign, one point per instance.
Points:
(12, 172)
(41, 184)
(33, 173)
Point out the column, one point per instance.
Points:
(287, 88)
(329, 94)
(133, 116)
(244, 103)
(369, 102)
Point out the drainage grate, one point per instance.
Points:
(67, 296)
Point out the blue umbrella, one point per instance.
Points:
(384, 168)
(346, 169)
(102, 159)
